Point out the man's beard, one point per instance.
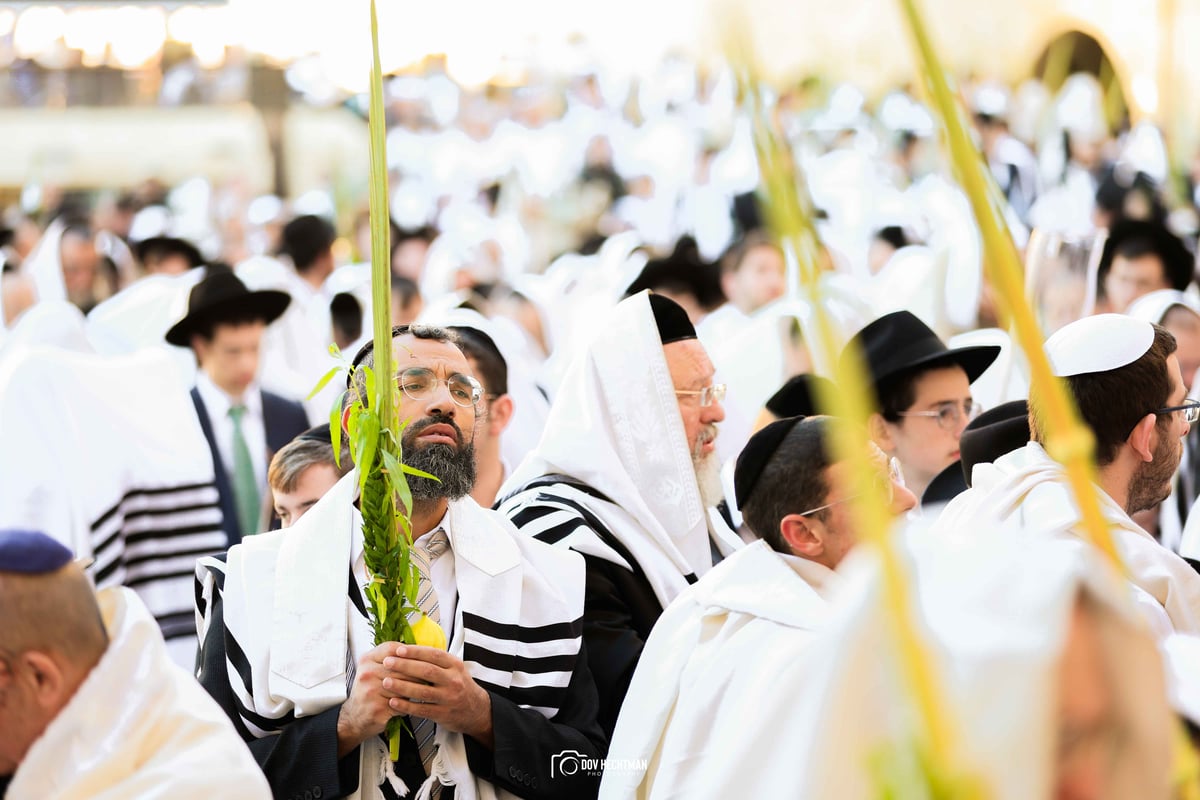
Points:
(708, 469)
(1151, 484)
(454, 467)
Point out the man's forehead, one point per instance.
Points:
(688, 356)
(410, 351)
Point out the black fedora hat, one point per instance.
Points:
(221, 295)
(798, 396)
(994, 433)
(945, 486)
(167, 245)
(899, 342)
(1178, 263)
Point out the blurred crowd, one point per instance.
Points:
(135, 321)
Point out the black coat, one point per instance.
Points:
(620, 606)
(301, 761)
(283, 419)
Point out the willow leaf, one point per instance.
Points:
(335, 431)
(325, 379)
(419, 473)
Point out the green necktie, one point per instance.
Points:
(245, 485)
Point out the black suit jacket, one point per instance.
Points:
(283, 419)
(300, 761)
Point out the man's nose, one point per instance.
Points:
(903, 500)
(440, 401)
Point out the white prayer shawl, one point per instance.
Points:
(107, 453)
(615, 426)
(286, 604)
(139, 316)
(1029, 489)
(993, 611)
(138, 727)
(44, 263)
(703, 700)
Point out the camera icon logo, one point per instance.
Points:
(565, 763)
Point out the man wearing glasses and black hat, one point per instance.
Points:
(924, 393)
(243, 424)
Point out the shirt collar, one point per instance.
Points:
(357, 550)
(218, 403)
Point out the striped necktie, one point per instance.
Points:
(427, 601)
(245, 485)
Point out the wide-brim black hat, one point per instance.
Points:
(168, 244)
(994, 433)
(1178, 263)
(798, 396)
(220, 295)
(945, 486)
(899, 342)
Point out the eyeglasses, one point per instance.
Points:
(949, 415)
(1190, 409)
(418, 383)
(886, 483)
(708, 395)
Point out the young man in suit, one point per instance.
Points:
(243, 423)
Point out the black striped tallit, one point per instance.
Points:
(149, 540)
(539, 679)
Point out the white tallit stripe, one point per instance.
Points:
(206, 516)
(522, 680)
(137, 501)
(554, 647)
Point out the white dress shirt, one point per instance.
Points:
(442, 570)
(254, 430)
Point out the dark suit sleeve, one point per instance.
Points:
(529, 746)
(612, 635)
(301, 761)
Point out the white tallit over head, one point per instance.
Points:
(615, 426)
(994, 613)
(44, 264)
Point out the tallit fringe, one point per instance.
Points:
(438, 775)
(386, 771)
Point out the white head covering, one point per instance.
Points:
(995, 611)
(1100, 343)
(1154, 306)
(615, 426)
(55, 322)
(44, 264)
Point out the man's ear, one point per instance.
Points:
(199, 347)
(346, 419)
(880, 433)
(499, 415)
(803, 535)
(43, 677)
(1141, 438)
